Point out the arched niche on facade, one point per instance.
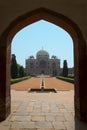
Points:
(43, 64)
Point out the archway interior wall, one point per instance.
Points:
(70, 27)
(69, 8)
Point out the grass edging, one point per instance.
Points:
(70, 80)
(13, 81)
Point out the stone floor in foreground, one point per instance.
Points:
(36, 111)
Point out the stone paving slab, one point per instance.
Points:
(44, 124)
(38, 118)
(59, 125)
(23, 125)
(34, 113)
(22, 129)
(50, 118)
(20, 118)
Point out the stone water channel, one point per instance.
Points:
(43, 88)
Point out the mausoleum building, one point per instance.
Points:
(43, 64)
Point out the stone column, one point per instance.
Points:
(5, 99)
(81, 82)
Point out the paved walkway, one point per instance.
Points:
(32, 111)
(42, 111)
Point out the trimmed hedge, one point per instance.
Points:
(70, 76)
(19, 79)
(70, 80)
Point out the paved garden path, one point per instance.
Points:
(34, 82)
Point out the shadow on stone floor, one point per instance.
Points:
(79, 125)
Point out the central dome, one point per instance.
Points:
(42, 53)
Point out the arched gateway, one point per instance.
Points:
(79, 58)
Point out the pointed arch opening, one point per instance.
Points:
(80, 67)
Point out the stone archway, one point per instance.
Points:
(79, 58)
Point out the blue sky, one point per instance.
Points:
(40, 34)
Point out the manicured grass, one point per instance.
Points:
(71, 80)
(19, 79)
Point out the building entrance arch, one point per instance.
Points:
(42, 72)
(80, 56)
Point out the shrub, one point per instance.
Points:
(71, 80)
(19, 79)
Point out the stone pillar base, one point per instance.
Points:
(5, 109)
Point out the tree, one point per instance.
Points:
(54, 72)
(65, 69)
(14, 68)
(21, 71)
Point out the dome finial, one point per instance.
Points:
(42, 47)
